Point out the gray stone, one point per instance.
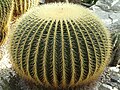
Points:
(109, 12)
(119, 87)
(105, 87)
(114, 69)
(115, 78)
(109, 5)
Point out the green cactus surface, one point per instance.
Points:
(60, 45)
(6, 8)
(21, 6)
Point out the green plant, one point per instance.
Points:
(6, 7)
(22, 6)
(71, 1)
(115, 48)
(60, 45)
(88, 3)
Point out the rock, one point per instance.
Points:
(112, 84)
(115, 69)
(110, 79)
(105, 87)
(115, 78)
(118, 87)
(109, 12)
(118, 63)
(1, 55)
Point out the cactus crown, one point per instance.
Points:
(59, 11)
(60, 45)
(6, 8)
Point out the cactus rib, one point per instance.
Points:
(22, 6)
(6, 8)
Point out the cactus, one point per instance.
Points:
(88, 3)
(70, 1)
(21, 6)
(60, 45)
(6, 8)
(115, 48)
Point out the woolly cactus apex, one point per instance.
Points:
(21, 6)
(6, 8)
(60, 45)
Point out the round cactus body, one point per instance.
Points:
(6, 8)
(60, 45)
(21, 6)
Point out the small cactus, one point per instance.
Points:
(21, 6)
(88, 3)
(60, 45)
(6, 8)
(115, 48)
(70, 1)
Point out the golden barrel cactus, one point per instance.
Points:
(21, 6)
(6, 8)
(60, 45)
